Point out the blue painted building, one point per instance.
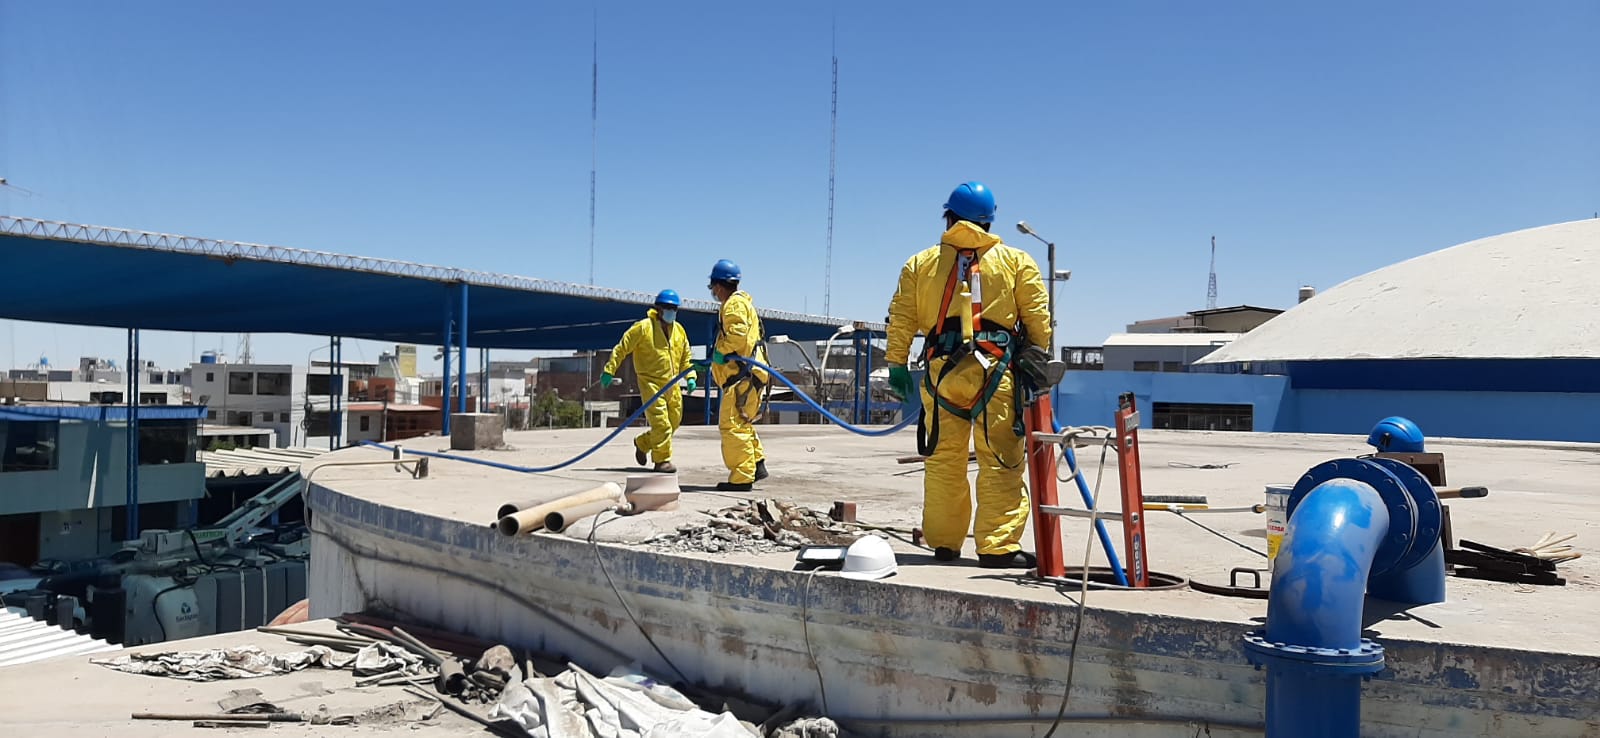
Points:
(1496, 338)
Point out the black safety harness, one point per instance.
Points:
(996, 345)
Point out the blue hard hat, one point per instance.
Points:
(725, 271)
(972, 201)
(1395, 433)
(668, 298)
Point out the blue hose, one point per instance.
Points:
(670, 386)
(1088, 502)
(902, 425)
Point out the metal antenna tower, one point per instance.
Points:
(833, 153)
(594, 133)
(1211, 287)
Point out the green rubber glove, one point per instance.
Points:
(900, 381)
(691, 383)
(718, 358)
(606, 380)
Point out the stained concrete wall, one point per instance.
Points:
(935, 662)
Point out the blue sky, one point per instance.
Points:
(1315, 142)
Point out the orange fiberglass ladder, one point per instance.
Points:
(1043, 461)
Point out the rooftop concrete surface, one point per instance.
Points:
(69, 697)
(1534, 489)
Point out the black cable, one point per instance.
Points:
(196, 543)
(1212, 531)
(598, 559)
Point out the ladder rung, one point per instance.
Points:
(1073, 512)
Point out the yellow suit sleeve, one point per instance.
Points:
(1033, 302)
(622, 349)
(903, 315)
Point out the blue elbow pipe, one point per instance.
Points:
(1312, 647)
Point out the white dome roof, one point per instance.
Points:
(1531, 294)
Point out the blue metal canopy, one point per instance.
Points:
(91, 275)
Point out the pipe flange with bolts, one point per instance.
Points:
(1402, 530)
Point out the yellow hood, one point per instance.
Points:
(964, 235)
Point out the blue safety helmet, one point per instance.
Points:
(972, 201)
(668, 298)
(1395, 433)
(725, 271)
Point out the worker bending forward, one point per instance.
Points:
(979, 303)
(738, 334)
(660, 350)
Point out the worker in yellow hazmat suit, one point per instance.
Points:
(738, 334)
(978, 303)
(660, 350)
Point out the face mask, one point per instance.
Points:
(668, 316)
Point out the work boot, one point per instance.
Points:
(945, 554)
(761, 470)
(1013, 560)
(640, 457)
(735, 486)
(666, 467)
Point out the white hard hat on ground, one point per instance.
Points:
(869, 558)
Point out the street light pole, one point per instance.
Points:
(1053, 277)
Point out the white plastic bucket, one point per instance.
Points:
(1277, 518)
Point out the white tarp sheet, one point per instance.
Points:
(576, 704)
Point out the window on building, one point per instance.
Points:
(1200, 416)
(152, 398)
(211, 415)
(283, 417)
(1147, 366)
(1173, 366)
(167, 442)
(211, 376)
(241, 383)
(29, 446)
(240, 417)
(273, 383)
(106, 398)
(366, 423)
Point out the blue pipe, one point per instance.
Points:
(461, 355)
(896, 428)
(1088, 503)
(1312, 646)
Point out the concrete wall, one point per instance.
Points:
(1090, 398)
(928, 658)
(1122, 358)
(90, 472)
(1529, 416)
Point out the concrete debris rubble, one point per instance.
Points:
(756, 526)
(577, 704)
(244, 662)
(808, 728)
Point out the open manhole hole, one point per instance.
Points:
(1103, 577)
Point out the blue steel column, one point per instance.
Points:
(710, 347)
(444, 347)
(461, 354)
(483, 380)
(132, 475)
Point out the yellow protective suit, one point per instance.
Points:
(739, 334)
(1013, 296)
(657, 358)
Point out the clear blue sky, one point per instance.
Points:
(1315, 142)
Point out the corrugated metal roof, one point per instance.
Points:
(24, 640)
(247, 462)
